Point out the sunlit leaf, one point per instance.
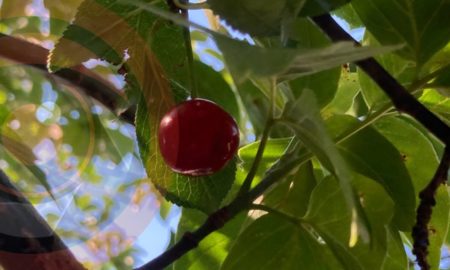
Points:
(347, 12)
(273, 151)
(436, 102)
(61, 13)
(348, 89)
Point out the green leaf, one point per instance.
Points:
(347, 13)
(256, 17)
(212, 86)
(272, 242)
(436, 102)
(317, 7)
(212, 250)
(370, 154)
(331, 218)
(293, 195)
(274, 150)
(421, 160)
(380, 211)
(442, 82)
(328, 215)
(325, 83)
(256, 105)
(287, 63)
(424, 26)
(93, 35)
(396, 257)
(304, 118)
(61, 12)
(347, 91)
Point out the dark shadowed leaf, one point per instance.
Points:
(370, 154)
(424, 26)
(293, 195)
(213, 250)
(403, 70)
(272, 242)
(316, 7)
(212, 86)
(324, 84)
(304, 118)
(256, 17)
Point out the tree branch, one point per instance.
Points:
(402, 100)
(427, 201)
(26, 241)
(86, 81)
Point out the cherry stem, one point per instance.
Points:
(259, 155)
(190, 56)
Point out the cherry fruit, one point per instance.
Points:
(198, 137)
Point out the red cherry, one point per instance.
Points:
(198, 137)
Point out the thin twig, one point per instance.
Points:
(402, 100)
(262, 145)
(258, 157)
(420, 230)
